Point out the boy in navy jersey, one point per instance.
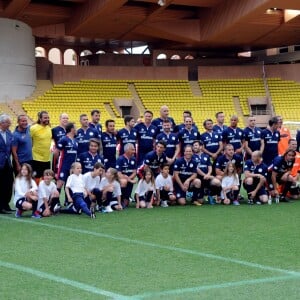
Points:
(95, 122)
(164, 115)
(211, 140)
(185, 177)
(89, 158)
(126, 167)
(255, 178)
(109, 144)
(127, 135)
(234, 135)
(187, 135)
(84, 134)
(269, 139)
(68, 147)
(252, 136)
(146, 133)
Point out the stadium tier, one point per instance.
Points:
(285, 98)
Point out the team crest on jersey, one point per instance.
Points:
(240, 133)
(134, 133)
(161, 160)
(132, 162)
(216, 136)
(260, 170)
(233, 161)
(173, 138)
(258, 131)
(152, 130)
(191, 165)
(195, 133)
(91, 133)
(205, 158)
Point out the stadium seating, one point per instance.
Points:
(285, 98)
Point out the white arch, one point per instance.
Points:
(161, 56)
(54, 56)
(70, 57)
(40, 52)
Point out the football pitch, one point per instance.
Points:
(207, 252)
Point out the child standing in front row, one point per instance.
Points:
(230, 185)
(144, 192)
(26, 196)
(164, 187)
(75, 190)
(48, 203)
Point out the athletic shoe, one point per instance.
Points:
(197, 203)
(103, 210)
(283, 199)
(93, 215)
(108, 209)
(56, 208)
(258, 202)
(236, 202)
(164, 203)
(19, 213)
(250, 201)
(212, 200)
(36, 215)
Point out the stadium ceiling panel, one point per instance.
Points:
(234, 25)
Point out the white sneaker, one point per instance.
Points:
(56, 208)
(164, 204)
(108, 209)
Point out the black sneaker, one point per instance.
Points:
(283, 199)
(250, 201)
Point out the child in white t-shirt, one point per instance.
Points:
(230, 185)
(144, 192)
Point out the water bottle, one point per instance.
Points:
(270, 200)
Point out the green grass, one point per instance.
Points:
(208, 252)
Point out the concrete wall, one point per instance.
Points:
(60, 73)
(17, 60)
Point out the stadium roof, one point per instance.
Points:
(234, 25)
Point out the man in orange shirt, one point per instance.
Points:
(295, 172)
(285, 136)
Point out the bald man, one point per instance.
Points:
(164, 115)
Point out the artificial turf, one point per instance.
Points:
(207, 252)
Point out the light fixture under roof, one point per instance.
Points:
(161, 2)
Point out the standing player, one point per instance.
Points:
(285, 136)
(89, 158)
(109, 144)
(185, 177)
(234, 135)
(164, 115)
(269, 139)
(146, 133)
(171, 140)
(57, 133)
(185, 114)
(211, 140)
(95, 122)
(127, 135)
(219, 126)
(41, 136)
(252, 136)
(126, 167)
(68, 147)
(187, 135)
(84, 134)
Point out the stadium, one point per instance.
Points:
(129, 57)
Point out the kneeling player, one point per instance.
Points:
(255, 179)
(48, 195)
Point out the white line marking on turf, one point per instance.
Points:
(158, 246)
(213, 286)
(72, 283)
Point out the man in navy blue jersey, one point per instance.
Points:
(252, 136)
(209, 183)
(84, 134)
(95, 122)
(185, 178)
(128, 134)
(126, 167)
(146, 133)
(68, 147)
(298, 140)
(89, 158)
(211, 140)
(155, 159)
(256, 173)
(234, 135)
(164, 114)
(269, 139)
(281, 174)
(185, 114)
(109, 144)
(187, 135)
(171, 140)
(228, 156)
(57, 133)
(219, 126)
